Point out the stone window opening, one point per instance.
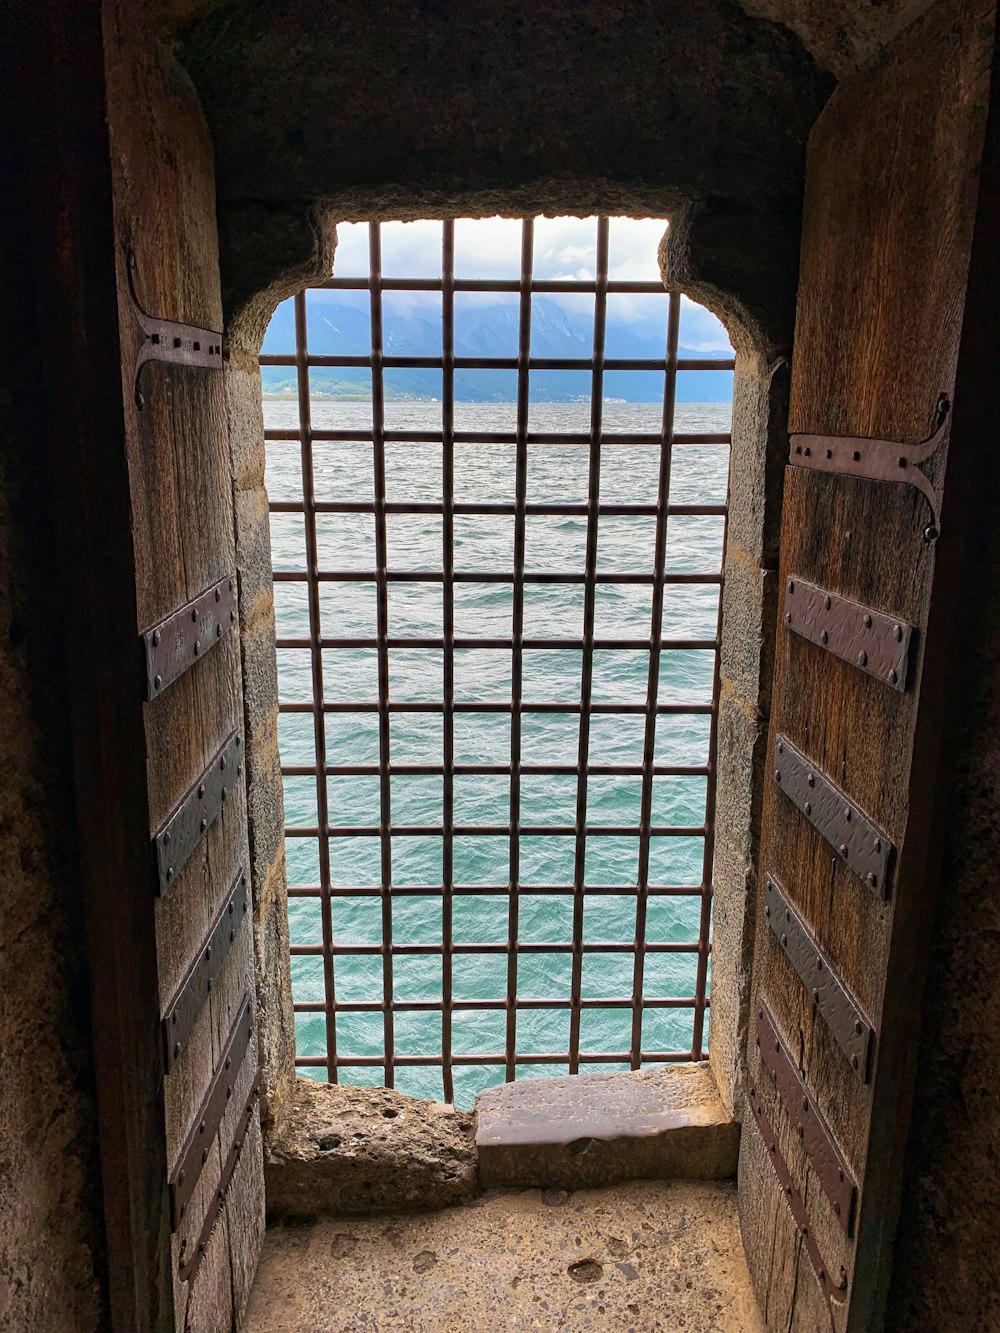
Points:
(328, 467)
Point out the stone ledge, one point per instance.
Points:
(599, 1129)
(367, 1150)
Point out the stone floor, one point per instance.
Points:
(634, 1258)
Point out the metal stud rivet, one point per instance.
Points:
(827, 603)
(862, 658)
(857, 1026)
(808, 807)
(847, 813)
(784, 939)
(194, 614)
(791, 585)
(866, 620)
(897, 633)
(788, 617)
(843, 849)
(823, 637)
(156, 638)
(893, 677)
(777, 775)
(157, 682)
(811, 779)
(218, 595)
(870, 879)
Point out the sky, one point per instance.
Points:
(563, 248)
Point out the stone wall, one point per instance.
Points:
(51, 1230)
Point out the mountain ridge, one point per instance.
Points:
(342, 328)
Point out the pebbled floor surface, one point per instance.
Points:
(636, 1258)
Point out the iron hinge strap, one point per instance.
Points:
(169, 340)
(878, 460)
(195, 1153)
(862, 847)
(189, 1261)
(877, 643)
(800, 1107)
(187, 634)
(182, 1012)
(837, 1007)
(833, 1291)
(198, 810)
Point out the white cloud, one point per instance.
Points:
(564, 248)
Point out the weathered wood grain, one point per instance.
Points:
(890, 208)
(182, 523)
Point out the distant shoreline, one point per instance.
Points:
(291, 396)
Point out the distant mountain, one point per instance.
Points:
(340, 328)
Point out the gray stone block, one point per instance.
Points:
(596, 1129)
(367, 1150)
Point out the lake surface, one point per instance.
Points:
(485, 473)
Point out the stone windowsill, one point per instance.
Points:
(372, 1150)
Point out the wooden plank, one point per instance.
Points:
(66, 212)
(884, 259)
(181, 505)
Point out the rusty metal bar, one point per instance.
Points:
(492, 1058)
(500, 363)
(493, 706)
(517, 630)
(518, 577)
(382, 599)
(549, 645)
(554, 510)
(653, 677)
(502, 437)
(448, 666)
(589, 613)
(708, 856)
(316, 674)
(483, 576)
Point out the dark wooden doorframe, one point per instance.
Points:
(886, 323)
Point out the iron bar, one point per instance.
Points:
(653, 676)
(316, 667)
(382, 596)
(639, 828)
(448, 642)
(517, 630)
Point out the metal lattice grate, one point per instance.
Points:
(580, 831)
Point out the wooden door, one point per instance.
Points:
(198, 893)
(850, 816)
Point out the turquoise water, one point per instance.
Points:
(556, 474)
